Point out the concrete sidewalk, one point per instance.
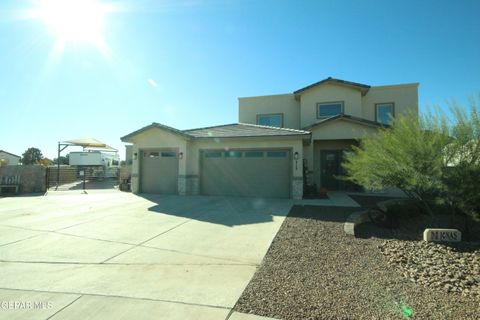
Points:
(335, 198)
(114, 255)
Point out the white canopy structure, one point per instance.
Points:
(89, 143)
(86, 143)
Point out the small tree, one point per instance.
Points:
(31, 156)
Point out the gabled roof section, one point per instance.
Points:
(347, 118)
(362, 87)
(244, 130)
(158, 126)
(13, 155)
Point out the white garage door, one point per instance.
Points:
(246, 173)
(159, 172)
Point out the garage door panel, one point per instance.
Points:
(159, 172)
(249, 173)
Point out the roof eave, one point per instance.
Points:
(290, 136)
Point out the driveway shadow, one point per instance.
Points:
(227, 211)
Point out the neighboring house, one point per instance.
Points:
(9, 158)
(277, 136)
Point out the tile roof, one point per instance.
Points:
(363, 87)
(235, 130)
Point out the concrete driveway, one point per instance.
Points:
(114, 255)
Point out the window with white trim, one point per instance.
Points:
(329, 109)
(384, 113)
(272, 120)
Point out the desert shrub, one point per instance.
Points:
(433, 158)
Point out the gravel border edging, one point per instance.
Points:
(355, 219)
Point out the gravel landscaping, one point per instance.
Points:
(449, 268)
(313, 270)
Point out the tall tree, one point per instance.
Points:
(31, 156)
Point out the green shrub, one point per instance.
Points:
(403, 210)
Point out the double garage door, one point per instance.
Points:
(246, 173)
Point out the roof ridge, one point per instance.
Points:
(347, 117)
(330, 79)
(271, 127)
(209, 127)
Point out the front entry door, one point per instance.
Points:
(330, 167)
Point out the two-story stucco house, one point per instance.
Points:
(264, 155)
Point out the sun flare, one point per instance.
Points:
(74, 21)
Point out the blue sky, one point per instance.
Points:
(185, 63)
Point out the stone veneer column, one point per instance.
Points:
(297, 188)
(193, 187)
(188, 185)
(182, 185)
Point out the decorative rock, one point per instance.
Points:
(442, 235)
(451, 268)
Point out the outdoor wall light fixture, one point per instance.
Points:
(295, 156)
(180, 155)
(135, 156)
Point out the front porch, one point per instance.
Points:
(331, 138)
(322, 164)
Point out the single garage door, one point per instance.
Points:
(246, 173)
(159, 172)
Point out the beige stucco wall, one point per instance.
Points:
(11, 160)
(404, 97)
(302, 112)
(341, 129)
(250, 107)
(128, 154)
(351, 98)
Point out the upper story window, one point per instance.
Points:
(384, 112)
(329, 109)
(272, 120)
